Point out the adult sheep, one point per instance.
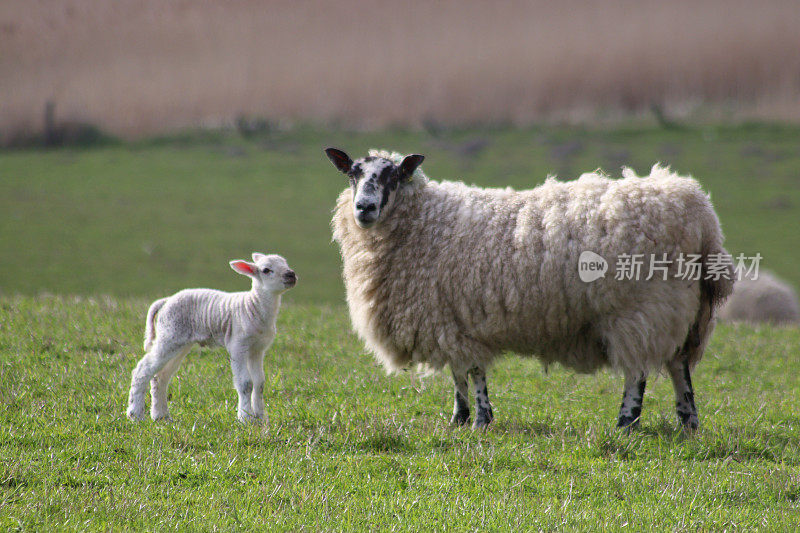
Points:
(764, 298)
(447, 274)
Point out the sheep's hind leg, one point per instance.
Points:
(684, 394)
(631, 409)
(159, 386)
(461, 404)
(483, 409)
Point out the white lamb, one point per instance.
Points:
(242, 322)
(446, 274)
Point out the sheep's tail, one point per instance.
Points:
(716, 285)
(150, 323)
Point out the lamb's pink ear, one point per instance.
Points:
(243, 267)
(339, 159)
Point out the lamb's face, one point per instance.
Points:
(374, 182)
(273, 273)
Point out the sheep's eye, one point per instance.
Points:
(266, 271)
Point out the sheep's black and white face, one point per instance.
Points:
(374, 180)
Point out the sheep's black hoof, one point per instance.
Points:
(690, 424)
(481, 424)
(460, 418)
(627, 422)
(482, 420)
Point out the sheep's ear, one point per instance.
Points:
(257, 256)
(339, 159)
(409, 165)
(243, 267)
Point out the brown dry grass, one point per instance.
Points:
(137, 67)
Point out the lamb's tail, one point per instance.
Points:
(150, 323)
(716, 285)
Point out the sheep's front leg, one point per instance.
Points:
(255, 365)
(461, 404)
(483, 409)
(242, 382)
(684, 394)
(631, 409)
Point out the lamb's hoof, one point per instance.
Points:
(627, 423)
(248, 419)
(161, 417)
(460, 418)
(135, 414)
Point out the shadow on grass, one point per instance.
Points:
(743, 443)
(664, 429)
(535, 429)
(662, 436)
(386, 443)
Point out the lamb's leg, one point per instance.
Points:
(684, 394)
(160, 384)
(242, 382)
(483, 409)
(255, 365)
(461, 404)
(631, 408)
(148, 366)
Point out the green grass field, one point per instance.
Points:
(89, 236)
(349, 448)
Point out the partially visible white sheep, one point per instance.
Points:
(766, 299)
(242, 322)
(447, 274)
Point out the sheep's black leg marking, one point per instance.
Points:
(483, 409)
(631, 408)
(684, 394)
(461, 404)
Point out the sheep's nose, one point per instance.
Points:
(290, 277)
(365, 208)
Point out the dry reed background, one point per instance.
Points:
(138, 67)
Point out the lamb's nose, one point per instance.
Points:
(365, 208)
(290, 276)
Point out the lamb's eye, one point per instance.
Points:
(266, 271)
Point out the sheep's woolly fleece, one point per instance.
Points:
(456, 275)
(767, 299)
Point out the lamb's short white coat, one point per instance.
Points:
(455, 275)
(242, 322)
